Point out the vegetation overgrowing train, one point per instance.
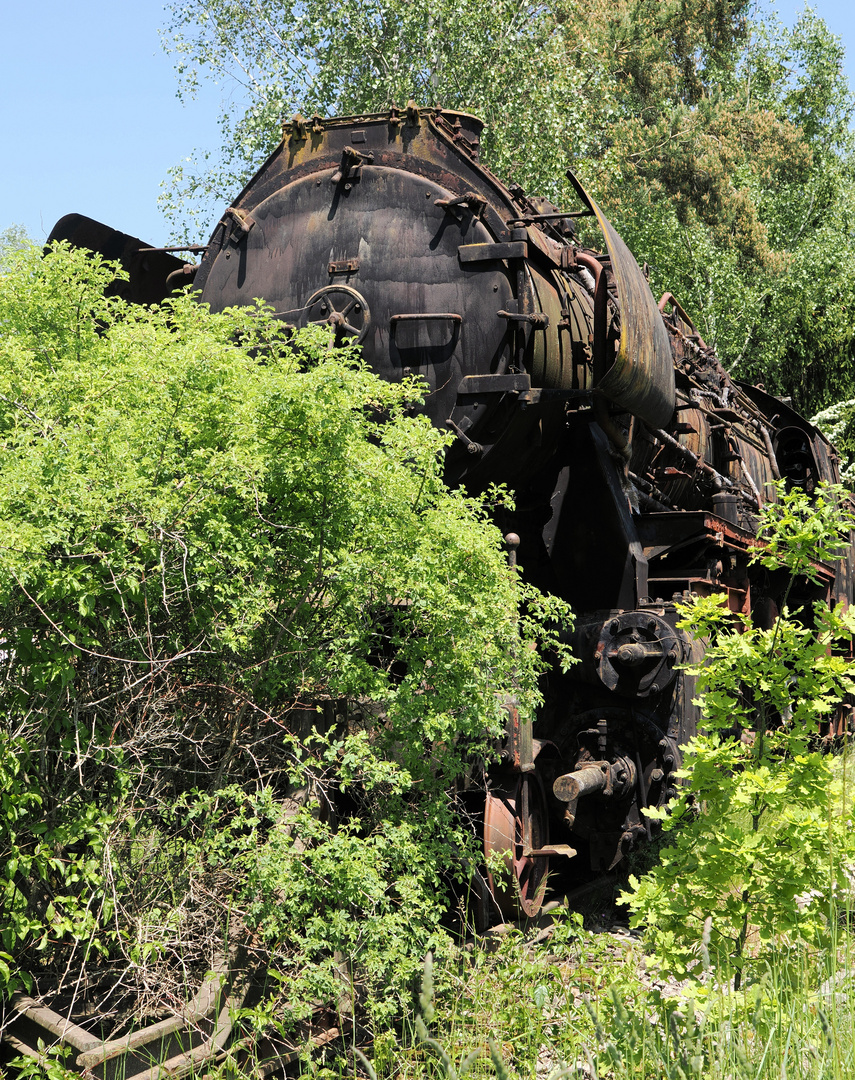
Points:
(638, 465)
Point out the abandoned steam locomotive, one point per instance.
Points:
(638, 464)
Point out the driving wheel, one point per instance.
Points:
(516, 830)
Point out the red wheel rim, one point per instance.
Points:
(515, 826)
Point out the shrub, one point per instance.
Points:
(761, 838)
(250, 642)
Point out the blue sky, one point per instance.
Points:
(91, 122)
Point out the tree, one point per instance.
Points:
(761, 837)
(251, 641)
(506, 61)
(12, 239)
(728, 166)
(718, 143)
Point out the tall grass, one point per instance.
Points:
(585, 1005)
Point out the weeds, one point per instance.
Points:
(585, 1005)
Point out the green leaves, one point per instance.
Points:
(801, 529)
(761, 838)
(506, 62)
(250, 640)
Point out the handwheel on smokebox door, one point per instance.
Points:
(342, 308)
(516, 829)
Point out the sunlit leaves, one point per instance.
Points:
(213, 533)
(760, 840)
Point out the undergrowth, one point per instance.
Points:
(232, 717)
(584, 1003)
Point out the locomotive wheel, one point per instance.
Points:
(516, 826)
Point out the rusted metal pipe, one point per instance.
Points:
(719, 481)
(195, 248)
(767, 442)
(749, 478)
(585, 781)
(657, 501)
(187, 270)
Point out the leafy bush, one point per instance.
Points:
(250, 643)
(761, 838)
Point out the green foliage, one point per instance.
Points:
(482, 1003)
(761, 848)
(580, 1005)
(739, 192)
(505, 61)
(426, 1015)
(773, 1029)
(250, 642)
(837, 423)
(50, 1065)
(13, 238)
